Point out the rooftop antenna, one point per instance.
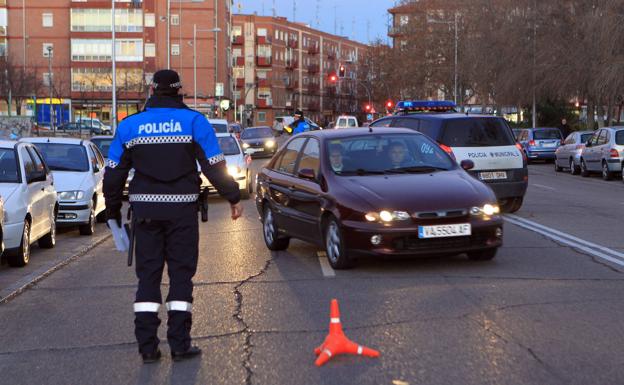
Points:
(318, 13)
(263, 14)
(294, 10)
(274, 9)
(335, 20)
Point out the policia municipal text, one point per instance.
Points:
(163, 144)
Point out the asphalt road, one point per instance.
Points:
(547, 310)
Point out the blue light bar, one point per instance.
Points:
(419, 105)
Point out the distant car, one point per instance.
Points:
(568, 155)
(30, 204)
(74, 128)
(346, 121)
(393, 192)
(237, 165)
(96, 125)
(220, 126)
(258, 141)
(78, 169)
(540, 143)
(604, 153)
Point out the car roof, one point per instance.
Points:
(221, 121)
(102, 137)
(7, 143)
(249, 128)
(50, 139)
(347, 133)
(443, 116)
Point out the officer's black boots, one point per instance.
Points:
(190, 353)
(149, 358)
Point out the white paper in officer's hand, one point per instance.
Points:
(122, 243)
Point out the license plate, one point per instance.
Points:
(554, 144)
(493, 175)
(444, 231)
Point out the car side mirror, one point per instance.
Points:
(307, 173)
(467, 164)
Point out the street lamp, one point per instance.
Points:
(50, 49)
(195, 30)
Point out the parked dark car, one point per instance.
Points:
(540, 143)
(387, 192)
(258, 141)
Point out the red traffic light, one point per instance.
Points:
(333, 78)
(367, 107)
(389, 104)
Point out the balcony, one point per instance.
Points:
(313, 50)
(263, 61)
(239, 61)
(263, 40)
(292, 43)
(263, 103)
(264, 82)
(240, 82)
(396, 30)
(291, 64)
(313, 68)
(238, 40)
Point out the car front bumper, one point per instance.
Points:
(74, 213)
(405, 241)
(12, 234)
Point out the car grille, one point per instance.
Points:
(413, 243)
(441, 214)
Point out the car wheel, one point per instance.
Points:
(21, 257)
(89, 227)
(482, 255)
(511, 205)
(622, 171)
(271, 233)
(557, 167)
(335, 246)
(574, 169)
(49, 240)
(584, 170)
(606, 173)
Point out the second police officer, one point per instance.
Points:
(163, 144)
(299, 125)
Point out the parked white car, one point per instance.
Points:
(78, 169)
(30, 204)
(237, 165)
(95, 125)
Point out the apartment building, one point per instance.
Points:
(68, 43)
(281, 66)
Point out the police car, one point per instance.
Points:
(486, 140)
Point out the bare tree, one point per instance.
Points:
(16, 84)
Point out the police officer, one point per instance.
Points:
(299, 125)
(162, 144)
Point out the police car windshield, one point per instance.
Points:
(228, 145)
(103, 145)
(64, 157)
(220, 128)
(547, 134)
(386, 154)
(256, 133)
(477, 132)
(8, 166)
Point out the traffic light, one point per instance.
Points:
(333, 78)
(341, 71)
(389, 104)
(367, 107)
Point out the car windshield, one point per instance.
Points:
(547, 134)
(103, 144)
(386, 154)
(8, 166)
(220, 128)
(255, 133)
(619, 137)
(228, 145)
(64, 157)
(585, 137)
(477, 132)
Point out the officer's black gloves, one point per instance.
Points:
(115, 215)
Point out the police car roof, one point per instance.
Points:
(351, 132)
(7, 143)
(444, 115)
(220, 121)
(50, 139)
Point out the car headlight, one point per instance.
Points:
(269, 143)
(487, 209)
(245, 145)
(70, 195)
(233, 170)
(387, 216)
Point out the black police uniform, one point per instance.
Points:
(162, 144)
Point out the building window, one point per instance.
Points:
(126, 50)
(264, 51)
(276, 34)
(47, 20)
(99, 20)
(175, 19)
(150, 20)
(261, 116)
(101, 80)
(150, 50)
(46, 50)
(403, 20)
(262, 32)
(237, 30)
(175, 49)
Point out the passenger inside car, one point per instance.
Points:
(398, 155)
(335, 157)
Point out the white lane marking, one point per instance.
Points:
(326, 268)
(577, 243)
(542, 186)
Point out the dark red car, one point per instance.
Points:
(382, 192)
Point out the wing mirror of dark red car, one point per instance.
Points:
(467, 164)
(307, 173)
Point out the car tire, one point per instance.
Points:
(557, 167)
(89, 227)
(21, 256)
(482, 255)
(48, 241)
(584, 170)
(622, 172)
(512, 205)
(271, 233)
(606, 173)
(335, 247)
(574, 169)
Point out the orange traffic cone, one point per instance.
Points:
(336, 342)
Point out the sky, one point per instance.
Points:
(361, 20)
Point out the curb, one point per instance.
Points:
(29, 281)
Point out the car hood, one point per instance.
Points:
(70, 180)
(441, 190)
(256, 140)
(7, 190)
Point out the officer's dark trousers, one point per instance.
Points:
(174, 242)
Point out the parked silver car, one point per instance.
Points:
(568, 155)
(603, 153)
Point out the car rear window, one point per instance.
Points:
(619, 137)
(220, 128)
(546, 134)
(64, 157)
(228, 145)
(103, 145)
(477, 132)
(8, 166)
(585, 138)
